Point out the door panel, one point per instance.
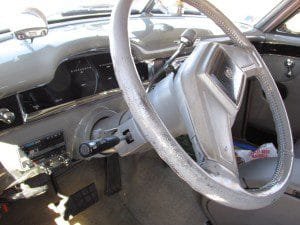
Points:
(259, 114)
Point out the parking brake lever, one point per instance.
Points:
(187, 39)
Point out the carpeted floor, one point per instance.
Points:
(151, 195)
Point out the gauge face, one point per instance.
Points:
(84, 78)
(73, 80)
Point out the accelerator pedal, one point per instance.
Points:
(113, 175)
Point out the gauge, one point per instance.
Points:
(84, 78)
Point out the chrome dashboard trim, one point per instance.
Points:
(78, 102)
(66, 106)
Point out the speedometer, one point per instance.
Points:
(84, 78)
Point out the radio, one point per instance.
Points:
(49, 150)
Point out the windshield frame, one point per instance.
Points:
(277, 16)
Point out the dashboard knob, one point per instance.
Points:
(289, 64)
(7, 116)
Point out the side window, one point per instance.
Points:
(291, 26)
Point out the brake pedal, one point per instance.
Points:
(81, 200)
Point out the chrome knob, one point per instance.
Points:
(7, 116)
(289, 64)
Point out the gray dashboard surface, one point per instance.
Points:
(69, 122)
(24, 65)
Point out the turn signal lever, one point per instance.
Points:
(93, 147)
(187, 39)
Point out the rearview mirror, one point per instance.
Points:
(30, 23)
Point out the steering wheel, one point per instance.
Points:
(208, 88)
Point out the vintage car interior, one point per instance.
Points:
(150, 112)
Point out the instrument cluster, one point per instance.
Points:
(75, 79)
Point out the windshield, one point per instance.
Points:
(237, 10)
(240, 11)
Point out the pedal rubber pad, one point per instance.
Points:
(113, 175)
(81, 200)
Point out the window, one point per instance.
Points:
(292, 25)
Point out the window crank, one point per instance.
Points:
(289, 64)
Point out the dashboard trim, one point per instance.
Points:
(67, 106)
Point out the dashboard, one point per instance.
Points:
(60, 86)
(76, 81)
(71, 64)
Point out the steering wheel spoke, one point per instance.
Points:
(209, 89)
(221, 174)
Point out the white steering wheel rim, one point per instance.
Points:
(168, 149)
